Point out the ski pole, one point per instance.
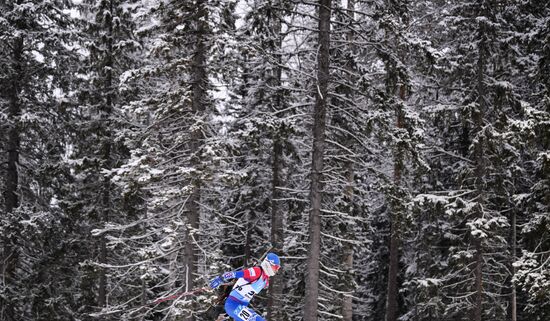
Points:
(181, 294)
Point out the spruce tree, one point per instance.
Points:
(530, 137)
(474, 102)
(108, 45)
(35, 91)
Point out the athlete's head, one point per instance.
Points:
(271, 264)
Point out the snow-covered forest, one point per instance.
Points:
(394, 153)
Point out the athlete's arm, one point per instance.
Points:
(250, 274)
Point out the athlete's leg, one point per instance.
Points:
(240, 312)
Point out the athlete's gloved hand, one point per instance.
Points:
(216, 282)
(228, 276)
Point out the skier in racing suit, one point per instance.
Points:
(250, 282)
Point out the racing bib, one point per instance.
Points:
(246, 314)
(245, 291)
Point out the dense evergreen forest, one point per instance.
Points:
(394, 153)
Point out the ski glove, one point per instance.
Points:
(216, 282)
(228, 276)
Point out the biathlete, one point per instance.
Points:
(249, 283)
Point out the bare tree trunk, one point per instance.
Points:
(191, 258)
(106, 200)
(478, 280)
(312, 273)
(12, 177)
(480, 174)
(391, 302)
(11, 199)
(275, 288)
(198, 102)
(248, 240)
(393, 270)
(348, 251)
(106, 113)
(277, 237)
(512, 314)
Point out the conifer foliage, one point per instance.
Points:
(395, 154)
(34, 102)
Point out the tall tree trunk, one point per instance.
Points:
(277, 237)
(106, 204)
(251, 218)
(512, 312)
(11, 199)
(106, 113)
(312, 273)
(479, 173)
(198, 102)
(348, 251)
(478, 280)
(14, 111)
(393, 291)
(391, 302)
(106, 200)
(347, 302)
(275, 288)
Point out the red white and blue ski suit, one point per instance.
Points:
(250, 282)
